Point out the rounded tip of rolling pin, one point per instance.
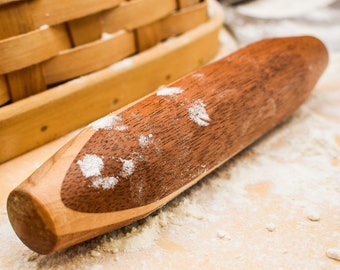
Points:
(30, 222)
(320, 48)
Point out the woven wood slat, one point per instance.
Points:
(31, 48)
(149, 35)
(187, 3)
(53, 12)
(44, 42)
(185, 20)
(177, 23)
(89, 57)
(85, 30)
(4, 92)
(15, 19)
(128, 14)
(109, 83)
(3, 2)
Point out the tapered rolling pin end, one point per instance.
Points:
(31, 222)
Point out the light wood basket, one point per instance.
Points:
(66, 63)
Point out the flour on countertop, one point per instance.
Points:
(333, 253)
(313, 216)
(296, 164)
(198, 113)
(221, 234)
(270, 227)
(279, 19)
(269, 9)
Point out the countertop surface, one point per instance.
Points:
(276, 205)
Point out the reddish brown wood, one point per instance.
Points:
(159, 146)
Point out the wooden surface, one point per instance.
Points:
(16, 20)
(254, 212)
(103, 91)
(51, 12)
(218, 111)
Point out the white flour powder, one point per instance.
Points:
(144, 141)
(109, 122)
(128, 167)
(169, 91)
(104, 182)
(198, 114)
(91, 165)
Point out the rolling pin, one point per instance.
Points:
(131, 162)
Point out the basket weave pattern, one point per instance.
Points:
(45, 42)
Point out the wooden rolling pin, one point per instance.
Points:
(128, 164)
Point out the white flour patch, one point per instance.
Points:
(144, 141)
(106, 36)
(198, 114)
(198, 76)
(313, 216)
(270, 227)
(109, 122)
(44, 27)
(169, 91)
(268, 9)
(333, 253)
(221, 234)
(128, 167)
(123, 64)
(91, 165)
(105, 182)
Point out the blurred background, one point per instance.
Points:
(249, 21)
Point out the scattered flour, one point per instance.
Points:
(144, 141)
(198, 114)
(169, 91)
(109, 122)
(128, 167)
(95, 266)
(333, 253)
(221, 234)
(91, 165)
(44, 27)
(269, 9)
(270, 227)
(300, 170)
(313, 216)
(105, 182)
(106, 36)
(126, 63)
(198, 76)
(251, 21)
(95, 254)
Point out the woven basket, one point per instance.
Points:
(65, 46)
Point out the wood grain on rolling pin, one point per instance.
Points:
(128, 164)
